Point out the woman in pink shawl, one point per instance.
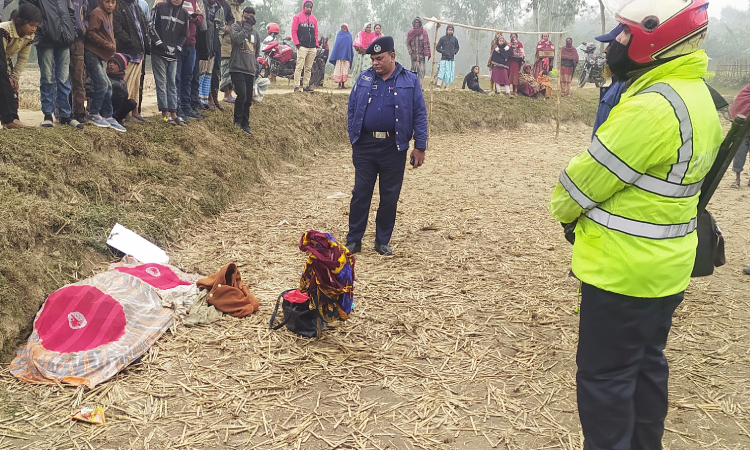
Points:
(545, 55)
(363, 40)
(517, 55)
(418, 44)
(569, 61)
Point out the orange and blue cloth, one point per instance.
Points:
(328, 276)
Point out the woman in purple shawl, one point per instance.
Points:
(342, 55)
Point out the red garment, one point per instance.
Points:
(228, 293)
(79, 318)
(191, 6)
(157, 275)
(741, 104)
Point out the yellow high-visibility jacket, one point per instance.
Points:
(635, 191)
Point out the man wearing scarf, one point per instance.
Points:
(447, 46)
(418, 44)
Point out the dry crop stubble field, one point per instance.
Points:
(465, 339)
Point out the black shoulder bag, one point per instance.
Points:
(710, 250)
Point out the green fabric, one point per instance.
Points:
(642, 131)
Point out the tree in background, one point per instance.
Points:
(268, 11)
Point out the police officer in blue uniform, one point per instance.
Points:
(386, 110)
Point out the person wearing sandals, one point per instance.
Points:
(99, 47)
(741, 106)
(168, 30)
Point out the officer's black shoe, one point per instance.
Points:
(354, 247)
(308, 89)
(383, 249)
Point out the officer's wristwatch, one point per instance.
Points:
(421, 149)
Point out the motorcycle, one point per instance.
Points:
(279, 59)
(593, 68)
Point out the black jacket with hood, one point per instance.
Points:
(447, 46)
(168, 29)
(126, 32)
(58, 27)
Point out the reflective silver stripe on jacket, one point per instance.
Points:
(575, 193)
(679, 169)
(641, 229)
(644, 181)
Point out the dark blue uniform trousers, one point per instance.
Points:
(372, 158)
(622, 372)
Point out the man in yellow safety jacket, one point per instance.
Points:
(632, 200)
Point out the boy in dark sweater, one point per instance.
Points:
(168, 30)
(99, 48)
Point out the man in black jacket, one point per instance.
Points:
(53, 39)
(447, 46)
(131, 36)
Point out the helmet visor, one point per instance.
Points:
(646, 14)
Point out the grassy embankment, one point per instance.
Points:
(62, 190)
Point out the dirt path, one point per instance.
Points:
(465, 339)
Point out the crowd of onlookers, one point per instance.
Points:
(92, 59)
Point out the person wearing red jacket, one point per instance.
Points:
(305, 37)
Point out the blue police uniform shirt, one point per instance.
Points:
(380, 114)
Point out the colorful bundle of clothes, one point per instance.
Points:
(328, 277)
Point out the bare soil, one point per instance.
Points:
(464, 339)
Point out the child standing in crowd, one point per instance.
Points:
(17, 36)
(99, 48)
(499, 74)
(53, 39)
(242, 66)
(168, 30)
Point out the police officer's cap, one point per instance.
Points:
(381, 45)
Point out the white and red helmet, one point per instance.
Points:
(662, 28)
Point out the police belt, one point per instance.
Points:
(381, 134)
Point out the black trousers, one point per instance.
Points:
(375, 158)
(216, 75)
(140, 89)
(622, 372)
(8, 110)
(243, 87)
(123, 108)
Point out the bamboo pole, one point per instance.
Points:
(432, 85)
(559, 82)
(470, 27)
